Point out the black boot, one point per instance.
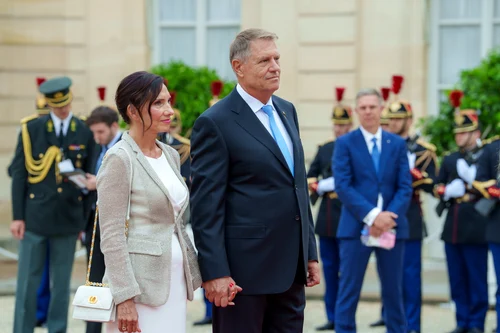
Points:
(204, 321)
(378, 323)
(329, 326)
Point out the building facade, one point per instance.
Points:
(323, 43)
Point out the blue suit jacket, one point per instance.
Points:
(358, 185)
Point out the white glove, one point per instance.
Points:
(466, 172)
(455, 189)
(326, 185)
(411, 160)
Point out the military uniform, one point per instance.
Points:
(487, 183)
(51, 207)
(321, 184)
(422, 160)
(464, 231)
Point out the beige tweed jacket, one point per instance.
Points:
(138, 265)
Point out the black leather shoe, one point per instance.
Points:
(204, 321)
(40, 323)
(475, 330)
(494, 330)
(329, 326)
(459, 330)
(378, 323)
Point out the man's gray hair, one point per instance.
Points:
(240, 47)
(369, 92)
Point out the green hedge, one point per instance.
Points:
(192, 85)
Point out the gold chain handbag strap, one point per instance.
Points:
(87, 279)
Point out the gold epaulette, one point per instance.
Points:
(29, 118)
(425, 157)
(426, 145)
(490, 140)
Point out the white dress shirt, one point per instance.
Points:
(372, 215)
(58, 122)
(256, 107)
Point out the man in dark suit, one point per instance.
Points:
(375, 195)
(103, 122)
(322, 184)
(47, 207)
(249, 200)
(464, 231)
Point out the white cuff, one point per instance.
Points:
(371, 216)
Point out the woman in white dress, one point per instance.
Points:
(151, 264)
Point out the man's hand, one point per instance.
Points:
(91, 182)
(384, 221)
(17, 228)
(222, 291)
(313, 273)
(375, 232)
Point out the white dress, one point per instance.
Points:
(171, 316)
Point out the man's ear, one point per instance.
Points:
(237, 66)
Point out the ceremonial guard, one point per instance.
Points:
(422, 161)
(384, 117)
(464, 232)
(47, 208)
(487, 184)
(322, 184)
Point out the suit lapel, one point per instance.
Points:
(71, 134)
(363, 149)
(247, 119)
(292, 132)
(386, 146)
(51, 133)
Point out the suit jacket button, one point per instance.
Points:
(297, 218)
(32, 196)
(59, 190)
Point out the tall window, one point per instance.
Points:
(462, 32)
(197, 32)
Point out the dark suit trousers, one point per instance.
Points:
(354, 258)
(277, 313)
(98, 267)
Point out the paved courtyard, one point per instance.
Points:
(436, 319)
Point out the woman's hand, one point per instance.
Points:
(128, 319)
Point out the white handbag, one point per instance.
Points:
(93, 301)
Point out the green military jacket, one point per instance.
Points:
(47, 202)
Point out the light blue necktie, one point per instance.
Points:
(104, 149)
(278, 137)
(375, 154)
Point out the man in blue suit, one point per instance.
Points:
(250, 207)
(373, 182)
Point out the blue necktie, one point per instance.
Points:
(375, 154)
(104, 149)
(278, 137)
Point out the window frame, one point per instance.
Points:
(201, 24)
(486, 22)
